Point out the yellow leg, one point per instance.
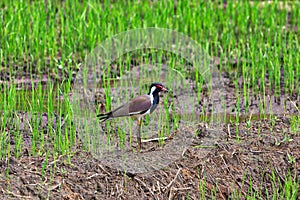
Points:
(139, 140)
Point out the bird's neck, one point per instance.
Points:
(155, 97)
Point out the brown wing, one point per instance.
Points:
(140, 104)
(136, 106)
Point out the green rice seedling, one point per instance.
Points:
(213, 193)
(295, 119)
(58, 132)
(251, 193)
(246, 89)
(287, 190)
(167, 117)
(45, 163)
(272, 119)
(202, 187)
(88, 140)
(18, 138)
(4, 143)
(175, 116)
(108, 94)
(286, 138)
(237, 116)
(70, 128)
(122, 137)
(291, 159)
(34, 124)
(66, 141)
(248, 122)
(161, 131)
(109, 134)
(131, 132)
(291, 187)
(276, 185)
(50, 110)
(8, 156)
(262, 112)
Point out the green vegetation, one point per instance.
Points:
(256, 43)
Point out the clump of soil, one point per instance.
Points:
(235, 164)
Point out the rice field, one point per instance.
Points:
(233, 72)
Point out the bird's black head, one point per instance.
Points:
(157, 87)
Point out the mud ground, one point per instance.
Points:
(232, 165)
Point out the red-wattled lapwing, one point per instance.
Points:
(137, 108)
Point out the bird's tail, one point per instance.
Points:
(104, 116)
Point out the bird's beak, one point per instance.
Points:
(164, 89)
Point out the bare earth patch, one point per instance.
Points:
(232, 165)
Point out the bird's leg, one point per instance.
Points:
(139, 140)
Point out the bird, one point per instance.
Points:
(137, 108)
